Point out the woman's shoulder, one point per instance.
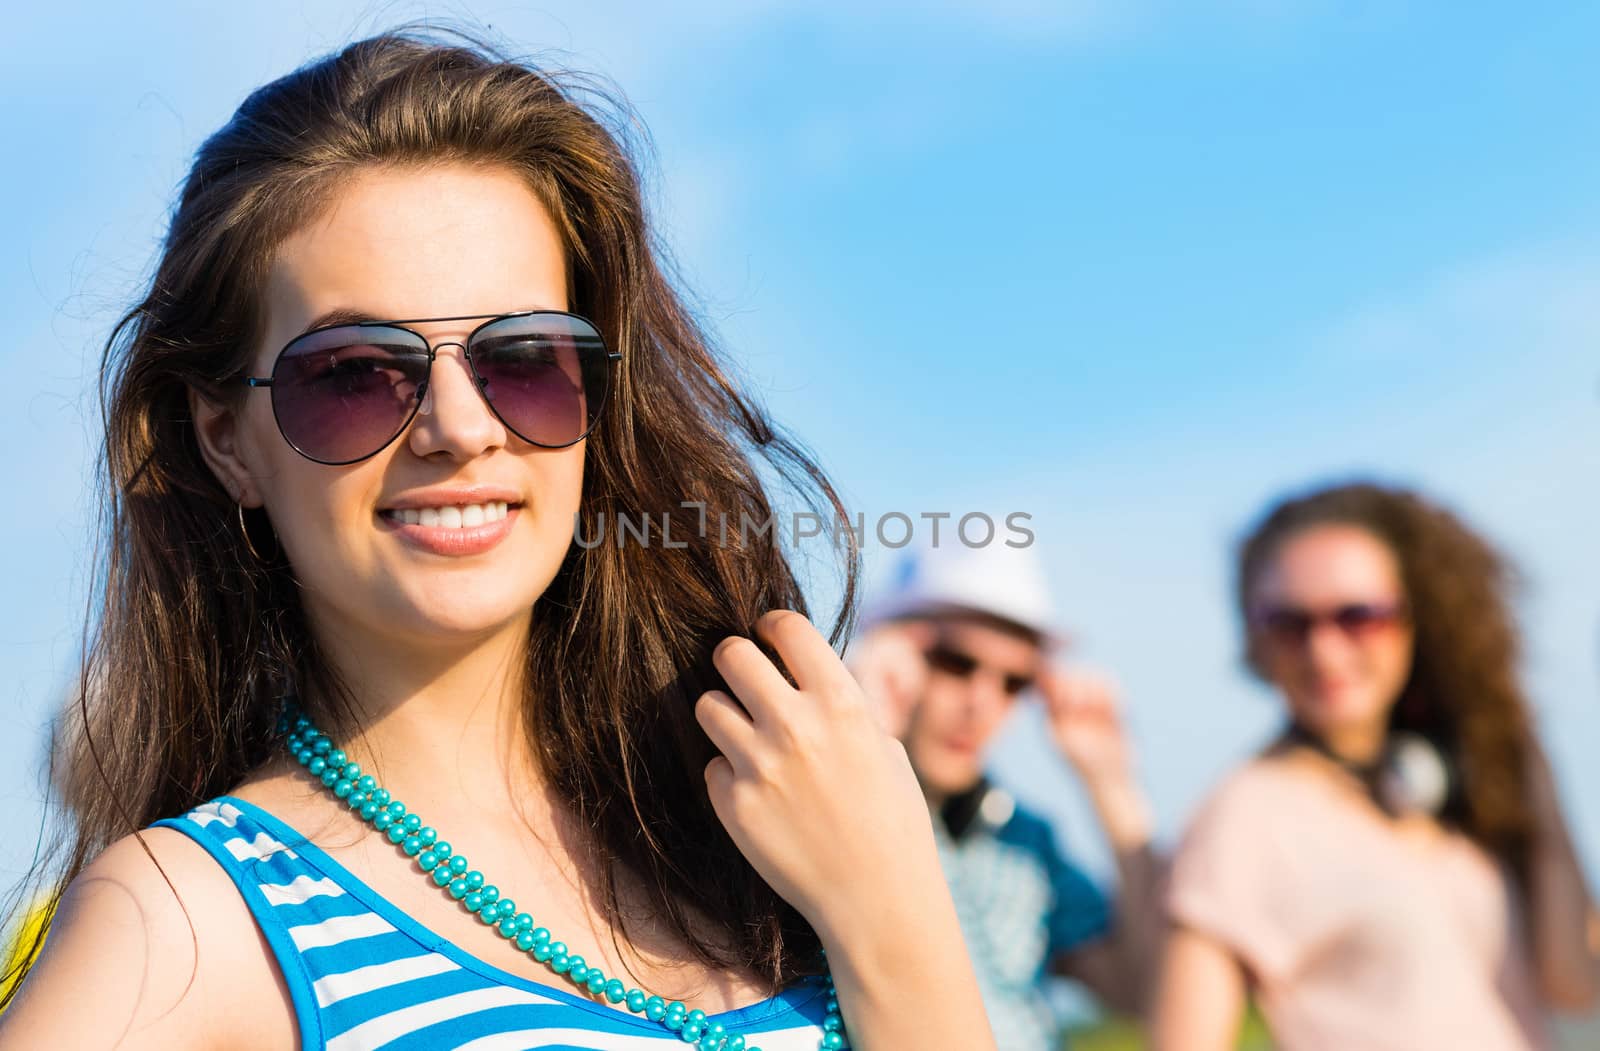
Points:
(1266, 791)
(156, 931)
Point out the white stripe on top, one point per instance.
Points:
(300, 890)
(376, 1032)
(335, 987)
(338, 929)
(258, 849)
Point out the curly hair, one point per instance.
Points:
(1463, 691)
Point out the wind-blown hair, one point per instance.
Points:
(1463, 691)
(195, 639)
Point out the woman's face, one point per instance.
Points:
(1342, 674)
(395, 244)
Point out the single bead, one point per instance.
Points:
(427, 861)
(322, 746)
(690, 1032)
(735, 1043)
(654, 1008)
(382, 820)
(489, 915)
(341, 788)
(441, 875)
(491, 893)
(427, 835)
(353, 772)
(559, 963)
(541, 952)
(635, 998)
(541, 935)
(411, 823)
(832, 1041)
(832, 1023)
(458, 889)
(304, 756)
(356, 799)
(710, 1041)
(412, 845)
(523, 921)
(366, 782)
(369, 810)
(330, 776)
(442, 849)
(381, 797)
(716, 1031)
(397, 808)
(317, 765)
(336, 757)
(596, 981)
(507, 928)
(576, 968)
(458, 864)
(473, 901)
(697, 1017)
(301, 724)
(395, 833)
(508, 908)
(525, 940)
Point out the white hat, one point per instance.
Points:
(994, 579)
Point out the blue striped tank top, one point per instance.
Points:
(364, 975)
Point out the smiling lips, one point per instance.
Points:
(454, 523)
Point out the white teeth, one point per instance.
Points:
(453, 517)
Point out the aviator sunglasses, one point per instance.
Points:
(342, 392)
(1290, 625)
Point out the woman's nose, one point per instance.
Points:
(453, 417)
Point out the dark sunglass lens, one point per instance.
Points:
(1358, 618)
(545, 375)
(1288, 625)
(342, 394)
(951, 662)
(1015, 684)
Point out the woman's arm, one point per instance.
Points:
(1200, 995)
(1561, 910)
(825, 805)
(120, 966)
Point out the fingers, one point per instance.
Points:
(729, 728)
(751, 676)
(807, 655)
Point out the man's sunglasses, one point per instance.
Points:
(343, 392)
(951, 661)
(1356, 620)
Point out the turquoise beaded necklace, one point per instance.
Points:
(449, 871)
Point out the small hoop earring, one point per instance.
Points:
(244, 531)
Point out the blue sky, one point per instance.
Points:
(1131, 268)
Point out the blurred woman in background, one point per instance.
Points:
(1394, 871)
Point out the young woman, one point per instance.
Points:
(1395, 871)
(407, 331)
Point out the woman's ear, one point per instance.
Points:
(216, 428)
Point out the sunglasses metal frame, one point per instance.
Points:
(266, 382)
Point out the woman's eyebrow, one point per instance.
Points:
(338, 316)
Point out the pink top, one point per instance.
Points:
(1357, 933)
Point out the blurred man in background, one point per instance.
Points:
(949, 648)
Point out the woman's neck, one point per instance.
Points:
(439, 721)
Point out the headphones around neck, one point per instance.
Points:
(1411, 775)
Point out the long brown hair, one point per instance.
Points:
(196, 638)
(1463, 692)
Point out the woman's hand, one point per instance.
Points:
(823, 802)
(810, 785)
